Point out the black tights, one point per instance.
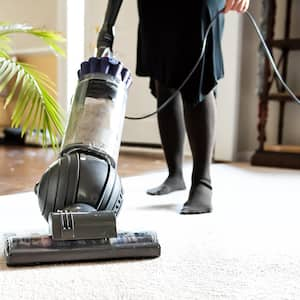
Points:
(199, 122)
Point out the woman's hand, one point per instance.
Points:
(240, 6)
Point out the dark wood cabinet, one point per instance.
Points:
(270, 89)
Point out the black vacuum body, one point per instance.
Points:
(85, 172)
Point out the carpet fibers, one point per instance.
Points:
(248, 248)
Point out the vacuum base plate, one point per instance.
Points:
(43, 249)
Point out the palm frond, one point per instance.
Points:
(51, 38)
(5, 44)
(3, 53)
(35, 108)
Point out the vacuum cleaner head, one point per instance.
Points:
(44, 249)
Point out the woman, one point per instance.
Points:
(169, 44)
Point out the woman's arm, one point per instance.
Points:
(240, 6)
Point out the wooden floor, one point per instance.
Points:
(21, 167)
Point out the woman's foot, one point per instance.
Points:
(199, 200)
(171, 184)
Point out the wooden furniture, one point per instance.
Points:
(279, 155)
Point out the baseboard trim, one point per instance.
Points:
(141, 145)
(140, 149)
(244, 156)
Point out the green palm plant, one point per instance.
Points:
(35, 108)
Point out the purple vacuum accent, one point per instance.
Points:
(128, 82)
(125, 74)
(94, 65)
(115, 70)
(104, 65)
(85, 68)
(113, 61)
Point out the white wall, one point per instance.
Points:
(228, 90)
(49, 14)
(248, 116)
(39, 13)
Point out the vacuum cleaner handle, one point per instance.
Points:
(107, 32)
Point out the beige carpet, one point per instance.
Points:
(248, 248)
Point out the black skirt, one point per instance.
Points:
(170, 36)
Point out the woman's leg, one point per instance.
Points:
(200, 125)
(172, 131)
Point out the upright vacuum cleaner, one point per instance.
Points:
(80, 194)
